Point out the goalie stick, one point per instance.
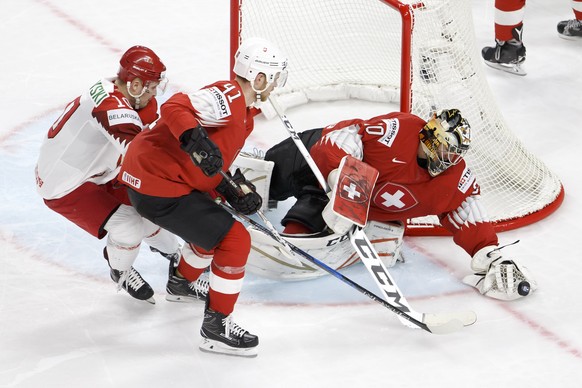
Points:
(437, 323)
(366, 251)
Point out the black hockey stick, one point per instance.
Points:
(443, 323)
(287, 251)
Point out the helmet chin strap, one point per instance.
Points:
(136, 97)
(258, 100)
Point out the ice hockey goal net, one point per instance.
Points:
(419, 55)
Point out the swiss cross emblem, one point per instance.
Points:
(352, 191)
(394, 198)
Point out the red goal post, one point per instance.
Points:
(419, 55)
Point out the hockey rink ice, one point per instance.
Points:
(62, 323)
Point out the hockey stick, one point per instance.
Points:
(360, 241)
(442, 323)
(287, 251)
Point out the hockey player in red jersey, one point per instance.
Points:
(509, 52)
(76, 172)
(175, 170)
(421, 172)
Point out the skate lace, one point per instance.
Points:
(231, 327)
(131, 279)
(200, 286)
(573, 24)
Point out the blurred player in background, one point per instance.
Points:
(572, 29)
(79, 159)
(509, 52)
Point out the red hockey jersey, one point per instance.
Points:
(404, 189)
(156, 165)
(390, 144)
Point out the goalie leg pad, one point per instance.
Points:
(308, 208)
(258, 172)
(387, 238)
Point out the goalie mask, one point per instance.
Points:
(256, 55)
(445, 139)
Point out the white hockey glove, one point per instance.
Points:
(498, 277)
(334, 221)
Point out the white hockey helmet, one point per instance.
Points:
(257, 55)
(445, 139)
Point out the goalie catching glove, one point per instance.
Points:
(203, 152)
(244, 198)
(498, 277)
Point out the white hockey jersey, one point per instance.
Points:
(86, 143)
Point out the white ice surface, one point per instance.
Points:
(63, 325)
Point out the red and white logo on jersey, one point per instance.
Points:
(394, 198)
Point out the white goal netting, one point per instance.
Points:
(343, 49)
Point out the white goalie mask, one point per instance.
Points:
(445, 139)
(257, 55)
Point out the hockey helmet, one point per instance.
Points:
(257, 55)
(445, 139)
(141, 62)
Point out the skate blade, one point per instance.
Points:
(570, 38)
(211, 346)
(512, 69)
(182, 299)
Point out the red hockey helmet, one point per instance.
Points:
(141, 62)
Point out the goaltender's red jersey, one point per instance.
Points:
(156, 165)
(390, 143)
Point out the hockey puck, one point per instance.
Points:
(523, 288)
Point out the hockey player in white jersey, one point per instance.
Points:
(80, 157)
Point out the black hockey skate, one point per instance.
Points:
(132, 282)
(181, 290)
(169, 256)
(570, 29)
(507, 55)
(221, 335)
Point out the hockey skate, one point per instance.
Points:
(181, 290)
(507, 56)
(169, 256)
(570, 29)
(220, 334)
(132, 282)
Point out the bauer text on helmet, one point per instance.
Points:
(445, 139)
(257, 55)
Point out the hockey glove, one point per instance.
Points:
(203, 152)
(244, 200)
(499, 277)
